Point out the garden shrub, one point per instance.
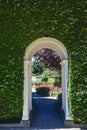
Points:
(57, 81)
(45, 79)
(47, 89)
(44, 91)
(22, 22)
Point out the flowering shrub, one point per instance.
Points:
(46, 89)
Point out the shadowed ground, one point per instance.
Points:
(46, 113)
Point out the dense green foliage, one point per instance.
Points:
(23, 21)
(37, 68)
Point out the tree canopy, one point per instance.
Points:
(49, 58)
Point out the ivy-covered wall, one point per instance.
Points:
(23, 21)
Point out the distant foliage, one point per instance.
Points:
(22, 22)
(49, 58)
(37, 68)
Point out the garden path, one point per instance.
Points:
(46, 113)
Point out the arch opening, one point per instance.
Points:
(46, 74)
(59, 48)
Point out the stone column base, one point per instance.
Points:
(68, 123)
(25, 123)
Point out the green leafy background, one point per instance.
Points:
(22, 22)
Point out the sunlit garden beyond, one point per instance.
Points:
(46, 73)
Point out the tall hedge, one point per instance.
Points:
(22, 22)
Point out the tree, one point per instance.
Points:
(37, 68)
(49, 58)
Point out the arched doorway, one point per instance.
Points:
(58, 47)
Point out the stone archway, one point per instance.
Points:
(58, 47)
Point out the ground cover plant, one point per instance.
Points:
(22, 22)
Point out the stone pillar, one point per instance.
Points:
(27, 90)
(64, 64)
(63, 93)
(30, 85)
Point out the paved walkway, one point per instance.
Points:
(46, 113)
